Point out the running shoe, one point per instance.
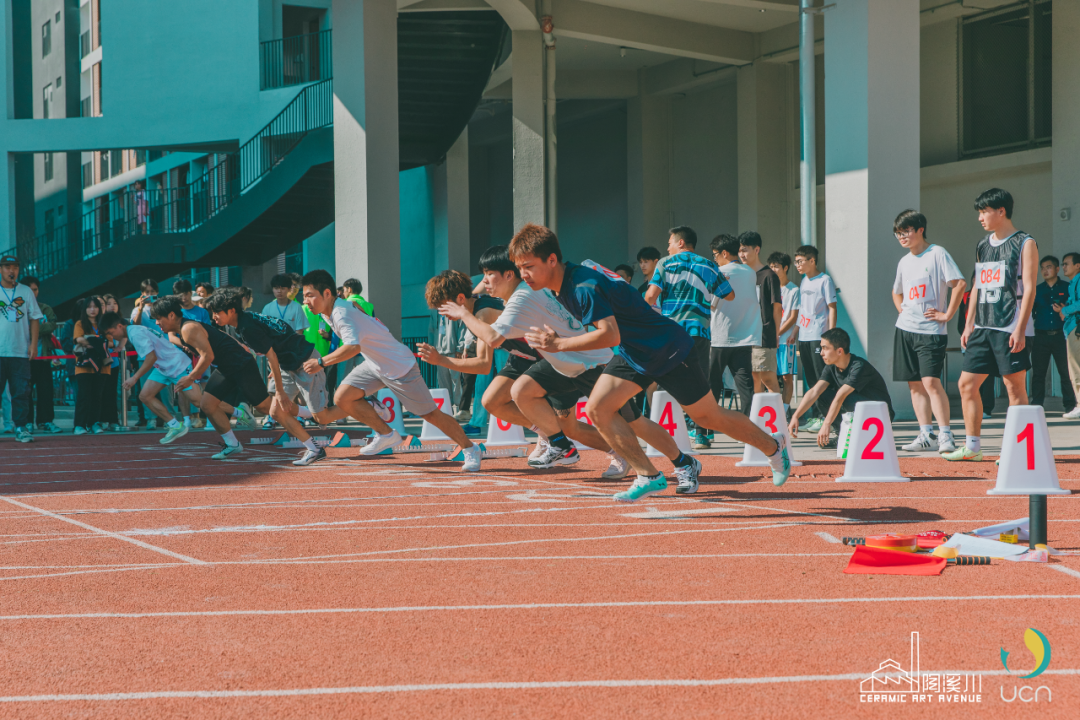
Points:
(245, 419)
(813, 425)
(150, 425)
(555, 455)
(463, 415)
(700, 441)
(922, 443)
(643, 487)
(174, 432)
(470, 430)
(227, 450)
(385, 414)
(688, 478)
(80, 430)
(23, 435)
(97, 429)
(987, 416)
(268, 423)
(310, 456)
(542, 446)
(946, 443)
(472, 459)
(781, 461)
(382, 442)
(1073, 414)
(963, 454)
(617, 469)
(51, 428)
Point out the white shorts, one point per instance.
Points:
(310, 387)
(410, 388)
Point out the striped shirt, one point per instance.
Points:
(688, 283)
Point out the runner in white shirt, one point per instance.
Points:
(387, 363)
(817, 313)
(920, 293)
(787, 342)
(282, 307)
(524, 310)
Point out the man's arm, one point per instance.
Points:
(478, 327)
(834, 411)
(832, 315)
(958, 288)
(1030, 259)
(969, 321)
(789, 322)
(340, 355)
(898, 301)
(652, 294)
(778, 315)
(479, 365)
(605, 335)
(805, 404)
(196, 337)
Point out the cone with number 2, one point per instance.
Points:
(872, 454)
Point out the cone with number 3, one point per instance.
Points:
(1027, 459)
(767, 412)
(872, 454)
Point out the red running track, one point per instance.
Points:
(150, 582)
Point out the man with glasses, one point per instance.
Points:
(920, 291)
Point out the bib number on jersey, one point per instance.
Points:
(990, 275)
(921, 290)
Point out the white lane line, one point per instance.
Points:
(1066, 570)
(652, 513)
(91, 572)
(828, 538)
(99, 531)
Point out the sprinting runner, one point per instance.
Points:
(387, 363)
(920, 291)
(163, 364)
(286, 351)
(235, 373)
(786, 346)
(817, 313)
(1006, 271)
(652, 348)
(550, 414)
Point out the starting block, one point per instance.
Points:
(413, 444)
(456, 453)
(285, 440)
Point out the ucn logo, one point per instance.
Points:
(1039, 647)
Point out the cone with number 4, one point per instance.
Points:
(767, 412)
(668, 414)
(872, 453)
(1027, 458)
(430, 433)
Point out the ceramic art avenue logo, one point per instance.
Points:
(891, 683)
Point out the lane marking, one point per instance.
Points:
(1066, 570)
(653, 513)
(828, 538)
(99, 531)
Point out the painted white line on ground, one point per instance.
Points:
(92, 572)
(91, 528)
(653, 513)
(828, 538)
(1066, 570)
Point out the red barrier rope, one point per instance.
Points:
(72, 357)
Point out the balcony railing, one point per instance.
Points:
(295, 60)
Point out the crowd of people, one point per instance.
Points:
(543, 332)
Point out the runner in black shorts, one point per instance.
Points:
(652, 348)
(236, 371)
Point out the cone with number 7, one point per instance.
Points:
(767, 412)
(430, 433)
(668, 414)
(872, 453)
(1027, 459)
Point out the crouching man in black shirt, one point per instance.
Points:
(846, 380)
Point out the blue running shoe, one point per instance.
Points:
(470, 430)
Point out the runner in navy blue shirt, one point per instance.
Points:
(652, 348)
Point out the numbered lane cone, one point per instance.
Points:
(668, 414)
(430, 433)
(389, 401)
(872, 453)
(582, 417)
(503, 433)
(843, 440)
(767, 412)
(1027, 459)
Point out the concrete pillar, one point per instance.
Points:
(458, 254)
(7, 201)
(529, 142)
(871, 165)
(648, 144)
(763, 92)
(1066, 131)
(367, 230)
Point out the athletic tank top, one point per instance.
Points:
(229, 355)
(997, 277)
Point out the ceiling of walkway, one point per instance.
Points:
(748, 15)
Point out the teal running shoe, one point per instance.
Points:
(227, 450)
(173, 433)
(781, 461)
(643, 487)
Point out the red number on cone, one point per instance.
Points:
(869, 453)
(667, 420)
(769, 414)
(1028, 435)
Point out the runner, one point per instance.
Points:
(652, 348)
(286, 350)
(786, 344)
(1006, 270)
(387, 363)
(923, 279)
(770, 298)
(817, 313)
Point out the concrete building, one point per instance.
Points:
(611, 120)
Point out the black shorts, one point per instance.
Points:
(564, 392)
(686, 383)
(917, 355)
(246, 384)
(988, 352)
(515, 367)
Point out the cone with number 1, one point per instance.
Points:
(767, 412)
(1027, 458)
(872, 453)
(668, 414)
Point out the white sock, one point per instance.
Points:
(392, 431)
(310, 445)
(187, 421)
(973, 443)
(926, 429)
(303, 412)
(236, 412)
(944, 430)
(172, 424)
(230, 439)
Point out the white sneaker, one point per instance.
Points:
(617, 469)
(541, 448)
(463, 415)
(472, 459)
(80, 430)
(946, 443)
(23, 435)
(1073, 414)
(382, 442)
(172, 433)
(922, 443)
(310, 456)
(97, 429)
(51, 428)
(385, 414)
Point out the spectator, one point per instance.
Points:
(18, 343)
(770, 298)
(1070, 265)
(203, 290)
(182, 290)
(647, 258)
(1049, 341)
(112, 415)
(91, 371)
(142, 208)
(736, 324)
(41, 377)
(141, 314)
(626, 272)
(245, 293)
(353, 288)
(282, 306)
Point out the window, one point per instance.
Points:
(85, 109)
(59, 82)
(88, 174)
(1005, 91)
(57, 17)
(50, 222)
(48, 166)
(46, 101)
(104, 155)
(46, 39)
(140, 157)
(117, 162)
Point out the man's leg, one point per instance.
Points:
(450, 426)
(809, 366)
(1016, 385)
(920, 400)
(1072, 344)
(764, 370)
(971, 400)
(1040, 362)
(285, 416)
(1060, 353)
(149, 397)
(939, 401)
(42, 380)
(737, 426)
(789, 388)
(498, 400)
(349, 400)
(607, 398)
(20, 391)
(740, 362)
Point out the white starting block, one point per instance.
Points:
(413, 444)
(285, 440)
(456, 453)
(1027, 458)
(872, 453)
(668, 414)
(767, 412)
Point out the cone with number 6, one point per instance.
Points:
(872, 453)
(1027, 459)
(668, 414)
(503, 433)
(767, 412)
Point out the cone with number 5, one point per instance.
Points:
(1027, 458)
(668, 414)
(872, 453)
(767, 412)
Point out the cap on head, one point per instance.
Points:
(9, 260)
